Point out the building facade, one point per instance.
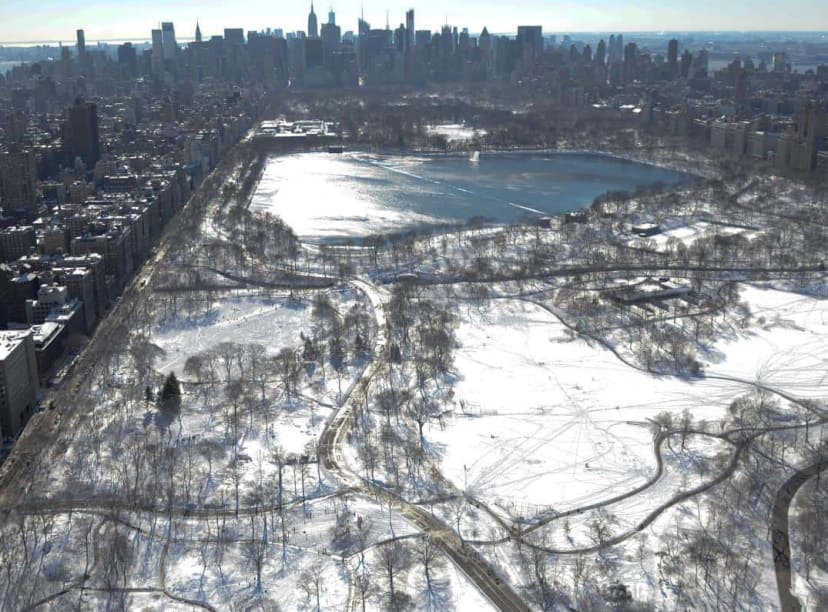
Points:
(18, 379)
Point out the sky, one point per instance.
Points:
(54, 20)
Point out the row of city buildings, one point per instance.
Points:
(756, 109)
(85, 192)
(99, 147)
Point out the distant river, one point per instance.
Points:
(5, 66)
(324, 197)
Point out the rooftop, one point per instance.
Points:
(9, 341)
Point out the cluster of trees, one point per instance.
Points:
(409, 393)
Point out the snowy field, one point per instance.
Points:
(243, 318)
(273, 323)
(785, 345)
(544, 422)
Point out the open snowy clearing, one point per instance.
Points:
(543, 422)
(785, 345)
(243, 318)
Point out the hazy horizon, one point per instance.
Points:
(56, 20)
(183, 39)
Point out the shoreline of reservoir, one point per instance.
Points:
(329, 198)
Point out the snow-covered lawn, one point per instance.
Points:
(553, 422)
(543, 422)
(784, 346)
(243, 318)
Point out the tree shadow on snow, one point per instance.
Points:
(436, 597)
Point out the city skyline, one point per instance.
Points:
(53, 21)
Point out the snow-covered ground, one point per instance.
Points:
(455, 132)
(681, 230)
(785, 343)
(552, 422)
(243, 318)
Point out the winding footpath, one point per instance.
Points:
(781, 541)
(482, 575)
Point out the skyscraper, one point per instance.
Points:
(313, 28)
(331, 35)
(601, 53)
(128, 58)
(485, 44)
(168, 40)
(672, 56)
(18, 175)
(363, 27)
(409, 29)
(198, 33)
(81, 132)
(630, 66)
(530, 40)
(234, 36)
(157, 51)
(81, 43)
(331, 17)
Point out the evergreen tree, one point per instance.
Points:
(171, 392)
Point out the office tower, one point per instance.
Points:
(157, 51)
(314, 52)
(400, 39)
(630, 67)
(198, 33)
(686, 61)
(168, 41)
(313, 28)
(587, 54)
(409, 29)
(781, 63)
(363, 27)
(234, 36)
(127, 58)
(18, 175)
(601, 53)
(331, 17)
(672, 56)
(81, 132)
(485, 43)
(530, 41)
(700, 63)
(81, 43)
(331, 35)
